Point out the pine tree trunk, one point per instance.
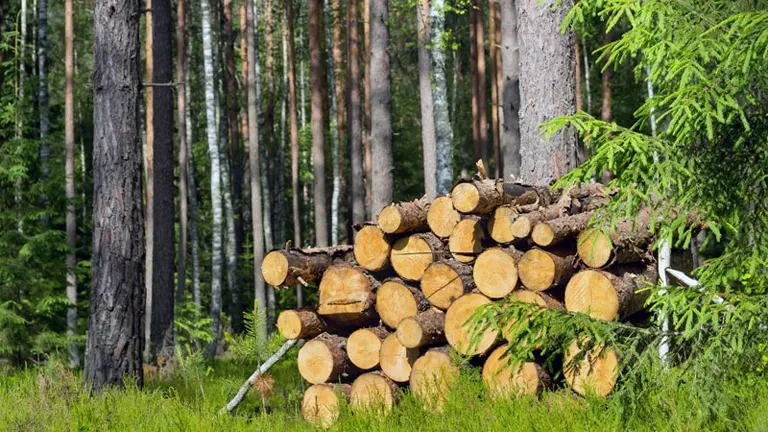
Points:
(315, 16)
(115, 341)
(494, 57)
(69, 177)
(476, 147)
(302, 80)
(381, 107)
(149, 177)
(482, 116)
(428, 134)
(181, 109)
(579, 96)
(354, 113)
(366, 119)
(443, 130)
(545, 95)
(510, 92)
(22, 70)
(339, 106)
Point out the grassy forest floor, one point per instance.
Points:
(52, 399)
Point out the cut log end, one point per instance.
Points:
(346, 295)
(442, 217)
(442, 284)
(411, 256)
(274, 268)
(540, 270)
(373, 391)
(372, 248)
(466, 197)
(404, 217)
(396, 301)
(501, 223)
(432, 376)
(459, 333)
(424, 329)
(396, 360)
(299, 324)
(595, 248)
(503, 381)
(323, 359)
(495, 273)
(591, 292)
(595, 371)
(466, 240)
(390, 219)
(363, 347)
(543, 235)
(521, 227)
(321, 404)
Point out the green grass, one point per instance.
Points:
(53, 399)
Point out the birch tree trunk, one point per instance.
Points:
(315, 26)
(69, 178)
(547, 87)
(181, 110)
(482, 116)
(149, 177)
(428, 134)
(357, 181)
(115, 341)
(339, 106)
(194, 238)
(302, 80)
(381, 107)
(22, 71)
(443, 129)
(216, 190)
(587, 82)
(510, 92)
(330, 27)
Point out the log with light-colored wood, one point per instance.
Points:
(555, 231)
(363, 346)
(372, 248)
(426, 328)
(466, 240)
(432, 377)
(540, 270)
(598, 247)
(608, 296)
(411, 255)
(322, 403)
(346, 295)
(373, 391)
(595, 371)
(324, 359)
(397, 300)
(300, 324)
(396, 360)
(458, 331)
(495, 271)
(500, 224)
(445, 281)
(289, 267)
(504, 380)
(404, 217)
(442, 217)
(541, 299)
(477, 196)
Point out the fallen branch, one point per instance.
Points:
(259, 372)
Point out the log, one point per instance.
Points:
(289, 267)
(404, 217)
(504, 381)
(500, 224)
(495, 271)
(445, 281)
(396, 360)
(373, 391)
(396, 300)
(300, 324)
(523, 194)
(556, 231)
(372, 248)
(412, 255)
(346, 296)
(629, 242)
(595, 371)
(442, 217)
(477, 196)
(607, 296)
(541, 270)
(322, 403)
(426, 328)
(432, 376)
(458, 332)
(466, 240)
(324, 359)
(363, 347)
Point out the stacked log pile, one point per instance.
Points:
(394, 306)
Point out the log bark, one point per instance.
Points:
(346, 296)
(495, 271)
(373, 391)
(442, 217)
(300, 324)
(396, 300)
(396, 360)
(432, 376)
(629, 242)
(404, 217)
(477, 196)
(363, 347)
(324, 359)
(459, 333)
(558, 230)
(426, 328)
(594, 371)
(541, 270)
(609, 296)
(372, 248)
(445, 281)
(505, 381)
(322, 403)
(289, 267)
(412, 255)
(466, 240)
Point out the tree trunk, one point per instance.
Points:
(366, 126)
(579, 96)
(482, 112)
(510, 92)
(22, 75)
(216, 191)
(340, 108)
(194, 238)
(428, 134)
(288, 267)
(302, 81)
(587, 86)
(476, 147)
(443, 131)
(315, 16)
(546, 95)
(381, 107)
(115, 341)
(181, 108)
(363, 346)
(493, 44)
(260, 294)
(69, 176)
(42, 96)
(606, 113)
(358, 175)
(149, 174)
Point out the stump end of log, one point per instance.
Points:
(372, 248)
(274, 268)
(595, 248)
(299, 324)
(390, 219)
(442, 283)
(465, 197)
(373, 391)
(466, 240)
(396, 301)
(363, 347)
(542, 234)
(595, 371)
(592, 292)
(412, 255)
(504, 381)
(321, 404)
(322, 359)
(396, 360)
(495, 273)
(501, 223)
(459, 333)
(432, 376)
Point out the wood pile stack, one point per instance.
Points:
(394, 305)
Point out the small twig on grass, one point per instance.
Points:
(257, 373)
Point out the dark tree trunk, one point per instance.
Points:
(355, 121)
(510, 91)
(315, 16)
(181, 107)
(115, 341)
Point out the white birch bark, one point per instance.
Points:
(443, 129)
(336, 188)
(302, 94)
(428, 135)
(587, 85)
(194, 238)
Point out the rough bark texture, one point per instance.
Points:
(510, 91)
(494, 37)
(426, 328)
(357, 180)
(366, 118)
(608, 296)
(194, 238)
(363, 346)
(300, 324)
(482, 110)
(381, 107)
(115, 340)
(396, 300)
(289, 267)
(42, 94)
(405, 216)
(598, 248)
(181, 109)
(324, 359)
(445, 281)
(293, 123)
(443, 130)
(428, 133)
(545, 95)
(315, 26)
(558, 230)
